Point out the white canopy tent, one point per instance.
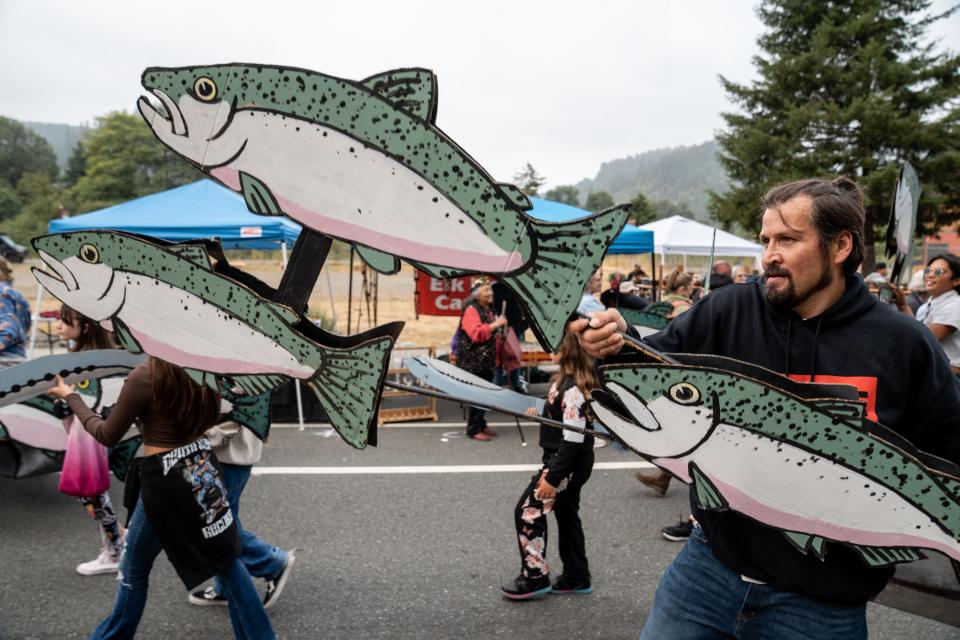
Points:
(677, 235)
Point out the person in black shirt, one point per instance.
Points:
(812, 319)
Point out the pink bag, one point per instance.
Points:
(86, 471)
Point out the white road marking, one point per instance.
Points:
(425, 469)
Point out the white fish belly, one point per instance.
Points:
(335, 184)
(786, 484)
(33, 427)
(179, 327)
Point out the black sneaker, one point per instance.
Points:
(679, 532)
(207, 596)
(275, 585)
(566, 585)
(521, 588)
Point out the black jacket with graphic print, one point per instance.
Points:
(561, 448)
(902, 374)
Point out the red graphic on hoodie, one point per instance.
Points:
(867, 386)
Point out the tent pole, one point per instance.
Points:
(350, 292)
(333, 311)
(283, 254)
(35, 317)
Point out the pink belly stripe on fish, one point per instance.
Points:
(201, 362)
(745, 504)
(426, 253)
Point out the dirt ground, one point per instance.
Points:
(394, 301)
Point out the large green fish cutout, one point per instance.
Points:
(170, 302)
(814, 467)
(364, 162)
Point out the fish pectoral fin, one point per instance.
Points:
(194, 253)
(126, 339)
(252, 412)
(708, 496)
(378, 260)
(413, 90)
(515, 195)
(121, 455)
(885, 556)
(805, 542)
(257, 384)
(203, 378)
(258, 197)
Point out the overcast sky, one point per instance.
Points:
(563, 85)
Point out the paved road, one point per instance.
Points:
(397, 555)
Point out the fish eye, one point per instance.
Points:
(83, 384)
(89, 253)
(684, 393)
(205, 88)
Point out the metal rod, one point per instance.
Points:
(523, 439)
(489, 407)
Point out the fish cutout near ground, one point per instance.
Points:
(815, 469)
(169, 301)
(364, 162)
(35, 377)
(464, 386)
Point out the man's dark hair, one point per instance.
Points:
(953, 262)
(879, 265)
(837, 207)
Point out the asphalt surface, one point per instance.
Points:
(380, 555)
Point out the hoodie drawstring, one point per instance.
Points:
(813, 357)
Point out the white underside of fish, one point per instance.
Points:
(791, 489)
(181, 328)
(334, 184)
(33, 427)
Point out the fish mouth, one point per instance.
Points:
(60, 280)
(615, 401)
(173, 116)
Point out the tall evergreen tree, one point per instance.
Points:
(643, 210)
(847, 87)
(598, 201)
(23, 151)
(529, 180)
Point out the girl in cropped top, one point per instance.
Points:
(183, 508)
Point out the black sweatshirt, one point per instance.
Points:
(561, 447)
(895, 362)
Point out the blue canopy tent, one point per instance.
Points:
(202, 209)
(631, 241)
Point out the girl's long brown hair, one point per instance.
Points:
(192, 407)
(575, 363)
(92, 335)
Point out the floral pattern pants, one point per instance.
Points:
(530, 516)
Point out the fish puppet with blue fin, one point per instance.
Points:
(653, 318)
(801, 458)
(364, 162)
(171, 301)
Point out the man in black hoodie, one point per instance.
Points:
(812, 319)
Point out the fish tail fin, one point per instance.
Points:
(348, 383)
(565, 256)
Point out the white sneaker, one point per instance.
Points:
(104, 563)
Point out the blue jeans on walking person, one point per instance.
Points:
(261, 559)
(701, 599)
(249, 620)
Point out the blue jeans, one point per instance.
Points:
(700, 599)
(247, 615)
(260, 559)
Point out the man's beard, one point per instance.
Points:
(788, 297)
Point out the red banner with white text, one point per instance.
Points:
(441, 297)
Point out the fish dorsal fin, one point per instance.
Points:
(125, 337)
(378, 260)
(196, 254)
(515, 195)
(841, 408)
(258, 197)
(414, 90)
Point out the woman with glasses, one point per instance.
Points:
(941, 311)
